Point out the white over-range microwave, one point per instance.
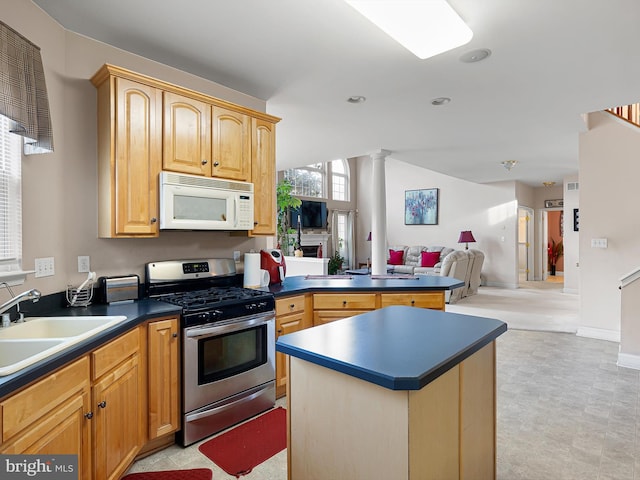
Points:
(190, 202)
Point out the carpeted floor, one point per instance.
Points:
(535, 306)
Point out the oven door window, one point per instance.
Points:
(224, 356)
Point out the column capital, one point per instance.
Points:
(380, 154)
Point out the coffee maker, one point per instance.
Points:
(272, 261)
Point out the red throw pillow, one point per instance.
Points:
(429, 259)
(395, 257)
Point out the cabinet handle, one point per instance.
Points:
(103, 404)
(292, 305)
(215, 164)
(413, 302)
(175, 335)
(154, 219)
(344, 303)
(204, 162)
(279, 331)
(88, 415)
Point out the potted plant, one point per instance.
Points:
(554, 252)
(285, 202)
(335, 263)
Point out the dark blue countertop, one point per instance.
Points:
(136, 312)
(300, 284)
(399, 348)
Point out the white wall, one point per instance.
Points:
(59, 189)
(489, 211)
(609, 199)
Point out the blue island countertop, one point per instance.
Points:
(303, 284)
(398, 347)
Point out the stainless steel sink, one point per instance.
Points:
(37, 338)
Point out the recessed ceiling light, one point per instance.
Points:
(424, 28)
(475, 55)
(356, 99)
(440, 101)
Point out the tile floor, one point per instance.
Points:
(565, 412)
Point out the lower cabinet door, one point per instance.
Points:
(65, 430)
(118, 424)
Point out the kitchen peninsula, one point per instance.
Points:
(400, 392)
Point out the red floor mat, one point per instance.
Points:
(193, 474)
(239, 450)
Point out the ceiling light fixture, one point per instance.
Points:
(440, 101)
(475, 55)
(548, 184)
(509, 164)
(356, 99)
(425, 28)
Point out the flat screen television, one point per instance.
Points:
(313, 214)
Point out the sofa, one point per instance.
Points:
(465, 265)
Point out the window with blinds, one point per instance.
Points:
(10, 199)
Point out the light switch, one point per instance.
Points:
(598, 243)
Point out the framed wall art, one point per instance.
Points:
(421, 207)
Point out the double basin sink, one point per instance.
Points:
(24, 344)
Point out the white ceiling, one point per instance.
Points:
(552, 60)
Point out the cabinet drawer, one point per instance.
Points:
(107, 357)
(289, 305)
(433, 300)
(28, 406)
(320, 317)
(350, 301)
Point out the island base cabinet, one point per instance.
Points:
(369, 431)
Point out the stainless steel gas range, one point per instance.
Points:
(228, 343)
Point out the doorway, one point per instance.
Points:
(525, 244)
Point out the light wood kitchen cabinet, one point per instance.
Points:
(163, 380)
(231, 144)
(186, 145)
(200, 135)
(431, 300)
(129, 156)
(52, 416)
(263, 176)
(117, 399)
(292, 314)
(329, 307)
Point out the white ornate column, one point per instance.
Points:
(378, 214)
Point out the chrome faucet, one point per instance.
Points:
(33, 295)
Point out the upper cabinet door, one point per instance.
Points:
(231, 144)
(187, 135)
(138, 147)
(263, 176)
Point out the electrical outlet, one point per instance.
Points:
(45, 267)
(84, 264)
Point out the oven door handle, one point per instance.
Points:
(194, 332)
(215, 411)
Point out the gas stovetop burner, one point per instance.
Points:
(213, 297)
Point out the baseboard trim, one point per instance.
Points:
(573, 291)
(629, 361)
(599, 333)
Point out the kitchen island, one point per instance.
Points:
(399, 392)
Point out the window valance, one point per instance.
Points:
(23, 92)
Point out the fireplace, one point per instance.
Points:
(310, 250)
